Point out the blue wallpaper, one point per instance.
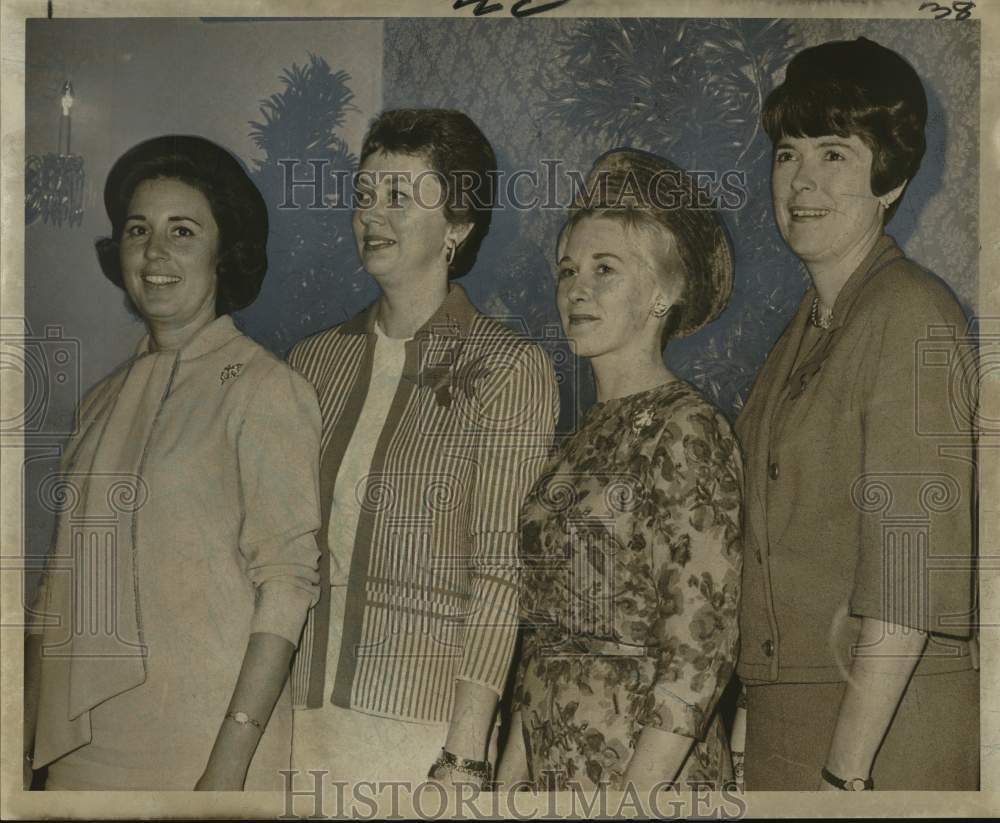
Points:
(689, 89)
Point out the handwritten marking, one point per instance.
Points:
(961, 8)
(522, 8)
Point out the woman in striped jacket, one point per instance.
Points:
(436, 422)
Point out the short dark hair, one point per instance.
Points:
(454, 147)
(855, 87)
(237, 206)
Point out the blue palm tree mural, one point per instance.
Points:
(313, 278)
(693, 90)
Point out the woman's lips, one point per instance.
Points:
(377, 243)
(581, 319)
(160, 281)
(801, 214)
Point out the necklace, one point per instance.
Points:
(814, 318)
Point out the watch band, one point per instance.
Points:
(482, 770)
(854, 784)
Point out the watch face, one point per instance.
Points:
(855, 784)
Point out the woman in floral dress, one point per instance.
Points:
(630, 541)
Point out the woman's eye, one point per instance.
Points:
(184, 231)
(782, 156)
(397, 198)
(135, 231)
(603, 268)
(833, 154)
(565, 272)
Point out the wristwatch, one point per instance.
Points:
(447, 762)
(853, 784)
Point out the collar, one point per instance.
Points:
(209, 338)
(453, 318)
(883, 252)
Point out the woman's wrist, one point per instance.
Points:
(847, 767)
(465, 746)
(448, 764)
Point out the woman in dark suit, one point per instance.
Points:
(857, 583)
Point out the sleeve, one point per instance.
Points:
(516, 418)
(279, 477)
(697, 557)
(914, 497)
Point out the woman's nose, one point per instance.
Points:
(804, 179)
(370, 213)
(156, 248)
(578, 290)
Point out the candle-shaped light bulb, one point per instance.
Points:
(67, 98)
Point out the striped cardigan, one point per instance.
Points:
(432, 587)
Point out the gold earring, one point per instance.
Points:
(449, 254)
(660, 309)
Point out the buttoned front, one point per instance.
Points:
(843, 435)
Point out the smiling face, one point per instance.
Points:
(169, 250)
(608, 287)
(400, 227)
(823, 201)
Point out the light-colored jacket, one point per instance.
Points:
(188, 519)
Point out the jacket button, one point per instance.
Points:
(772, 471)
(768, 647)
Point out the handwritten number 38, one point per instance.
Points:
(962, 8)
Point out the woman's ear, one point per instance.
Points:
(891, 197)
(457, 233)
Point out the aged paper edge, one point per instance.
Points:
(15, 804)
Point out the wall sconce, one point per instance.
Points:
(53, 183)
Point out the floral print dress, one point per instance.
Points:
(632, 556)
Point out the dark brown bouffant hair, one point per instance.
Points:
(237, 206)
(855, 87)
(459, 153)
